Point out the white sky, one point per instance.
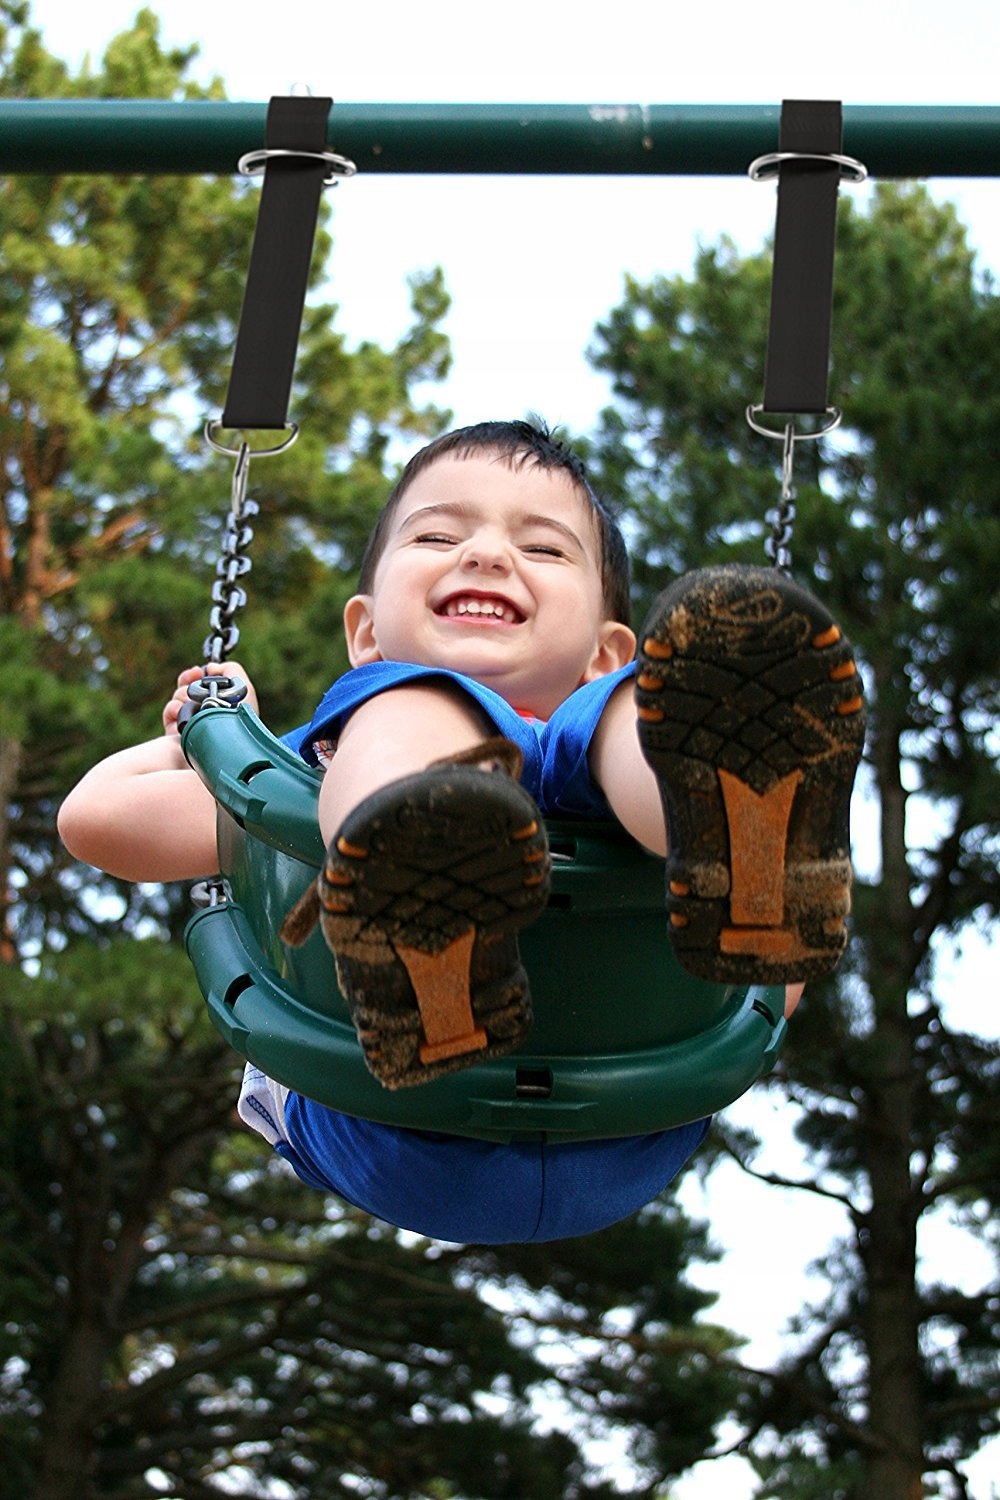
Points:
(533, 263)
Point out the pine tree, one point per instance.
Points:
(179, 1313)
(895, 1379)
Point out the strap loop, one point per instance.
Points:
(255, 162)
(767, 167)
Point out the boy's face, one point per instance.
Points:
(493, 572)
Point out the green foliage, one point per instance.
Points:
(898, 530)
(185, 1307)
(118, 314)
(182, 1316)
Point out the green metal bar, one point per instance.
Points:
(149, 136)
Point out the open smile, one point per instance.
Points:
(485, 608)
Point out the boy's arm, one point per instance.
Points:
(143, 813)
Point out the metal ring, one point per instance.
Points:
(212, 426)
(766, 167)
(255, 162)
(208, 894)
(781, 435)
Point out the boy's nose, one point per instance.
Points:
(487, 553)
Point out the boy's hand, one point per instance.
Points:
(194, 674)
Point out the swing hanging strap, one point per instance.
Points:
(809, 163)
(297, 162)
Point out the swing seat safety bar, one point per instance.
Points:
(624, 1041)
(185, 136)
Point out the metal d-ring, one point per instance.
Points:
(766, 167)
(780, 435)
(213, 426)
(255, 162)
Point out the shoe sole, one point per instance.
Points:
(750, 712)
(421, 897)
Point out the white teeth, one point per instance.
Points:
(494, 607)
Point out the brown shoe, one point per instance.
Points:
(421, 897)
(750, 712)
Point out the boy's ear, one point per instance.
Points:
(359, 630)
(615, 648)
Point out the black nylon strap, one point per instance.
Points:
(798, 342)
(260, 382)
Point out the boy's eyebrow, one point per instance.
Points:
(459, 509)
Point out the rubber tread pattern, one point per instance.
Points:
(419, 865)
(749, 698)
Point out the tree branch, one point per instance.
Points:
(775, 1179)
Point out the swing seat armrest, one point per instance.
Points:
(256, 779)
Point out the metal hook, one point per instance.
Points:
(787, 462)
(241, 473)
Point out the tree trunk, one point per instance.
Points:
(11, 758)
(72, 1404)
(889, 1241)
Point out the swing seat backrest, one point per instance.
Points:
(624, 1041)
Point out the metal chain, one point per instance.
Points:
(778, 546)
(234, 563)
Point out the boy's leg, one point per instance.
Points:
(750, 715)
(620, 769)
(437, 856)
(392, 735)
(629, 783)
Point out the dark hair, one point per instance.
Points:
(516, 444)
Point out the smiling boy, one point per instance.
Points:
(490, 684)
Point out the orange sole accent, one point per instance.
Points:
(528, 832)
(764, 942)
(679, 888)
(651, 715)
(334, 907)
(441, 986)
(658, 650)
(828, 637)
(476, 1041)
(850, 706)
(758, 834)
(648, 682)
(351, 851)
(845, 670)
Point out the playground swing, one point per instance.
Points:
(624, 1041)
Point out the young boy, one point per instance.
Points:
(488, 642)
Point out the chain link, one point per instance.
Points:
(234, 563)
(778, 546)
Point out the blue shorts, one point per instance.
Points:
(481, 1192)
(451, 1187)
(555, 753)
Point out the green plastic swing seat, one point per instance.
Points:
(624, 1041)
